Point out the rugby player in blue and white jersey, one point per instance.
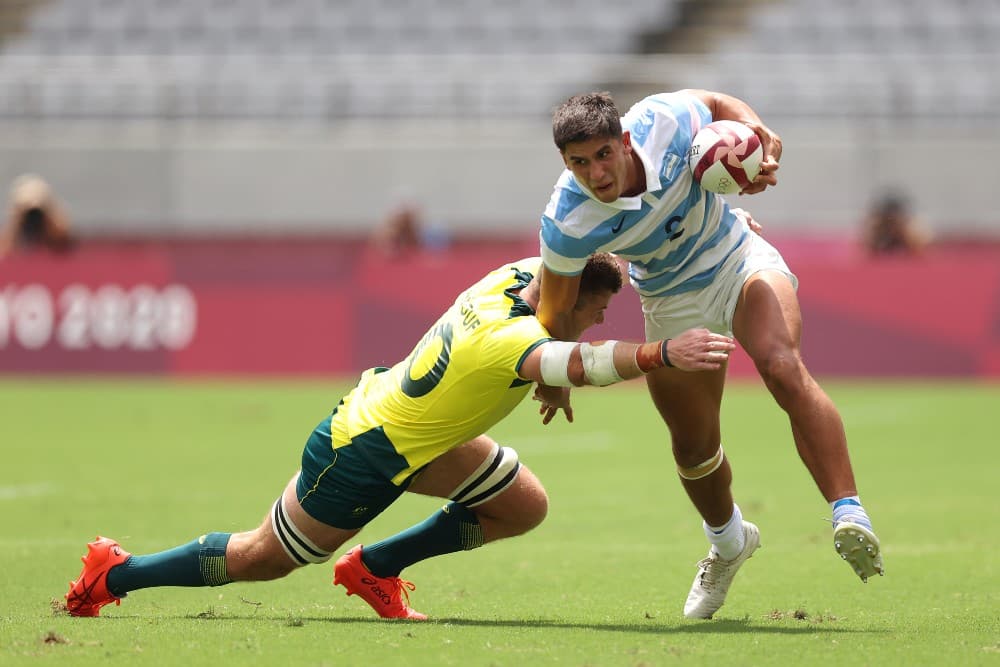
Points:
(627, 189)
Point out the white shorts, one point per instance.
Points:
(713, 306)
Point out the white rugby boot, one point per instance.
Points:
(711, 584)
(859, 547)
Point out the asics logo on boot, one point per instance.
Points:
(377, 590)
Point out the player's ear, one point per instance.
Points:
(627, 141)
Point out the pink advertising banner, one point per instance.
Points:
(336, 307)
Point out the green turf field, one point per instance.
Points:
(601, 582)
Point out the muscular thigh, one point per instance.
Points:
(443, 475)
(767, 319)
(269, 553)
(715, 305)
(322, 534)
(475, 462)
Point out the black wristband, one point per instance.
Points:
(663, 353)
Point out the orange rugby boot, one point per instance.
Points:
(90, 592)
(384, 594)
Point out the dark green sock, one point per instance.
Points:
(452, 528)
(198, 563)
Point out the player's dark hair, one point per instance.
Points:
(601, 274)
(585, 117)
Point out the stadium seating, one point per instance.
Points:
(891, 58)
(330, 59)
(307, 58)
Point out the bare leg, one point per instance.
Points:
(257, 555)
(214, 559)
(689, 403)
(768, 324)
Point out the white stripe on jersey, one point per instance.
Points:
(675, 235)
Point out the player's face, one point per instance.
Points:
(589, 311)
(600, 165)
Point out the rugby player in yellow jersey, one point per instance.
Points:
(418, 426)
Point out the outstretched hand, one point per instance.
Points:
(553, 399)
(699, 350)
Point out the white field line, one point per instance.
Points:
(19, 491)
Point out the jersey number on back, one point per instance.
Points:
(415, 388)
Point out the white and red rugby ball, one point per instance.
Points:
(725, 156)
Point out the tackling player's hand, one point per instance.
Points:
(754, 226)
(771, 145)
(553, 399)
(699, 350)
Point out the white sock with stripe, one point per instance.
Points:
(727, 540)
(850, 509)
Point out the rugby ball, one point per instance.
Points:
(725, 156)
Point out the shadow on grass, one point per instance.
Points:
(653, 626)
(722, 626)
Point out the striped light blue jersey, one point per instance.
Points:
(675, 235)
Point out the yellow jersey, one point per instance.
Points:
(460, 379)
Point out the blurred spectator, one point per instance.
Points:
(35, 218)
(404, 231)
(399, 233)
(891, 228)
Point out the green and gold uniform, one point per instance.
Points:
(460, 379)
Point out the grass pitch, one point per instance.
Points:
(602, 582)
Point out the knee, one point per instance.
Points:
(515, 512)
(535, 506)
(691, 453)
(782, 371)
(534, 511)
(528, 513)
(695, 436)
(692, 446)
(528, 518)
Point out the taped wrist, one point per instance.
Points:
(599, 363)
(650, 356)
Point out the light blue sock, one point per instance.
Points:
(850, 509)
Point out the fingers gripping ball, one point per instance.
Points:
(725, 156)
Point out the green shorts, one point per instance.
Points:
(348, 486)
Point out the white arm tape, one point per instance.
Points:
(599, 363)
(555, 363)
